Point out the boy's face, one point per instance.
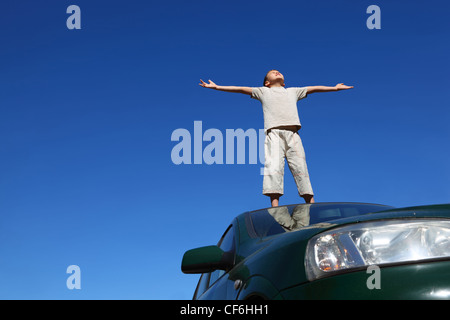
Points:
(274, 77)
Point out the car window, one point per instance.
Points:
(202, 285)
(226, 243)
(270, 221)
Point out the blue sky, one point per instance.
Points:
(86, 118)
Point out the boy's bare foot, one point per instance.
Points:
(308, 198)
(274, 199)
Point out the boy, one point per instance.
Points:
(281, 124)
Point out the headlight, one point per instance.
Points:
(376, 243)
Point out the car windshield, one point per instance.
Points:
(270, 221)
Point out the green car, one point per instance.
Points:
(328, 251)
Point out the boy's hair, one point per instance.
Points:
(265, 78)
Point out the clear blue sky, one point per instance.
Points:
(86, 118)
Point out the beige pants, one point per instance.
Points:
(279, 145)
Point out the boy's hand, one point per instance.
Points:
(341, 86)
(211, 84)
(338, 87)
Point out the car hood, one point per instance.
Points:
(429, 211)
(291, 246)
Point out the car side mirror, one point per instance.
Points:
(206, 259)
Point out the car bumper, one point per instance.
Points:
(420, 281)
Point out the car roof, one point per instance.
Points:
(324, 203)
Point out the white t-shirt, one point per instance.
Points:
(279, 105)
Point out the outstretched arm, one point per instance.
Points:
(212, 85)
(338, 87)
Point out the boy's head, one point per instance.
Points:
(274, 78)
